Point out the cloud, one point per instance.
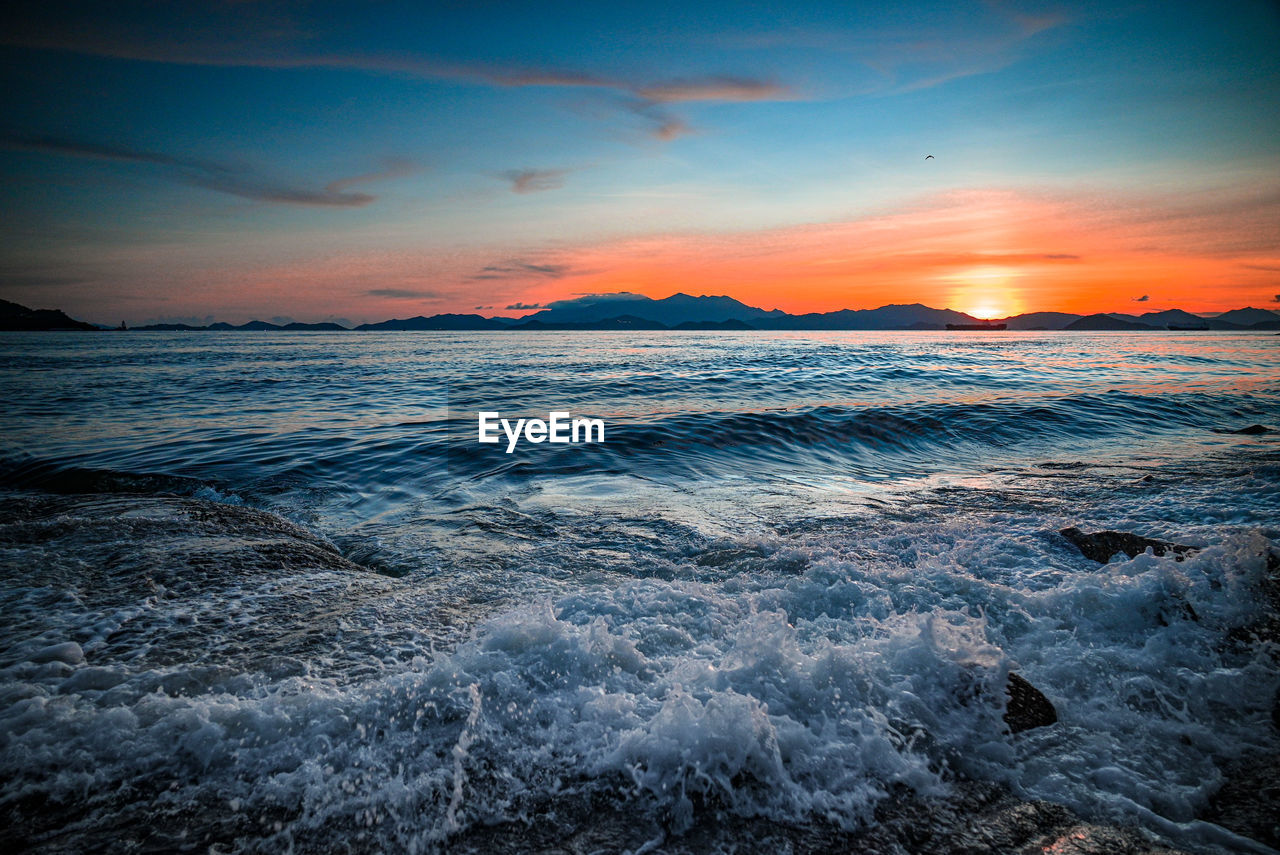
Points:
(521, 307)
(264, 51)
(519, 269)
(534, 180)
(914, 53)
(1276, 299)
(715, 88)
(233, 34)
(642, 98)
(328, 197)
(670, 128)
(400, 293)
(1144, 298)
(260, 35)
(392, 167)
(99, 151)
(211, 175)
(663, 125)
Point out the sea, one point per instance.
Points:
(779, 599)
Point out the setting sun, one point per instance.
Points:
(985, 292)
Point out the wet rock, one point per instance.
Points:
(203, 581)
(1028, 707)
(1249, 801)
(1266, 628)
(111, 548)
(974, 819)
(1101, 545)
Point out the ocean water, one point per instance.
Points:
(789, 585)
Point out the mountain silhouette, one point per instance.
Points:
(626, 311)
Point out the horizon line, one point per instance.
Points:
(284, 320)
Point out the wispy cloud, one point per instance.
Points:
(715, 88)
(534, 180)
(662, 124)
(1144, 298)
(262, 192)
(646, 99)
(392, 167)
(265, 36)
(401, 293)
(522, 307)
(520, 269)
(918, 54)
(102, 151)
(211, 175)
(215, 36)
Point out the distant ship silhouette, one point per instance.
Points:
(976, 326)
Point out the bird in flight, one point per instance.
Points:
(929, 157)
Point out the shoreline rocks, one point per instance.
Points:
(1101, 545)
(1028, 707)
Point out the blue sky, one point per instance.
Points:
(244, 159)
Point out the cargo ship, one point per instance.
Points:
(976, 326)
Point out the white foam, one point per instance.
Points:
(810, 687)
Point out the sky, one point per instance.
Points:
(360, 161)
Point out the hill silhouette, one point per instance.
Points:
(685, 312)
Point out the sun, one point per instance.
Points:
(985, 292)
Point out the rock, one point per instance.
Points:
(210, 583)
(973, 818)
(1028, 707)
(1101, 545)
(1247, 802)
(111, 549)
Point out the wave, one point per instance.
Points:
(424, 456)
(809, 693)
(863, 439)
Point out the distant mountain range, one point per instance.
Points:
(685, 312)
(15, 317)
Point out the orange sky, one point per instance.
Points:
(988, 252)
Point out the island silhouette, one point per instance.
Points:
(679, 311)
